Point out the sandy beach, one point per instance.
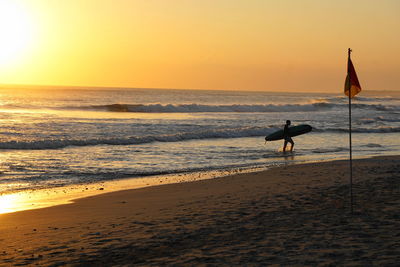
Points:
(199, 133)
(296, 215)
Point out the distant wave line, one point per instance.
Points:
(236, 108)
(317, 104)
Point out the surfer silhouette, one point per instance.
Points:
(286, 137)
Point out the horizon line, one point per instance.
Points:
(92, 87)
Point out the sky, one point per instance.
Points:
(285, 45)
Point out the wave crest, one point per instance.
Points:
(209, 134)
(237, 108)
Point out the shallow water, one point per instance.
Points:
(55, 138)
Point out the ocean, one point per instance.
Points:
(54, 137)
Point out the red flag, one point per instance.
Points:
(352, 85)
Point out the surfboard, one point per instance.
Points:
(293, 131)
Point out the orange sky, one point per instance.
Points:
(210, 44)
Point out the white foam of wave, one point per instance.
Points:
(211, 134)
(196, 108)
(360, 130)
(375, 99)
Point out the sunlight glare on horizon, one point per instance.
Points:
(232, 45)
(16, 31)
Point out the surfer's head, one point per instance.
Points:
(288, 122)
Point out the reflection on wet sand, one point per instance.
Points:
(41, 198)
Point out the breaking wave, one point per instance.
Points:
(360, 130)
(210, 134)
(197, 108)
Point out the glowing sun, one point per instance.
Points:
(16, 32)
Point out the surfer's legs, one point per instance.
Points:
(284, 145)
(288, 139)
(291, 148)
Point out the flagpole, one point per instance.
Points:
(350, 145)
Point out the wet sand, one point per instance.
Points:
(294, 215)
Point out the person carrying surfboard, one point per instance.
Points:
(287, 133)
(286, 137)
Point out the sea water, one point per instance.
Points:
(54, 137)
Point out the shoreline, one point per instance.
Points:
(293, 215)
(54, 196)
